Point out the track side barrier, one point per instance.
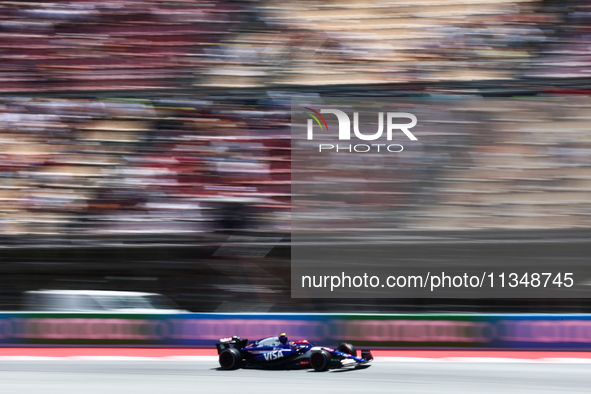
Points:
(498, 331)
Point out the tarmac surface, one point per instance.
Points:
(419, 376)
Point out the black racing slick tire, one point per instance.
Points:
(347, 348)
(320, 360)
(230, 358)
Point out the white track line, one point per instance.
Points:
(504, 360)
(378, 360)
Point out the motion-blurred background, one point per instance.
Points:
(145, 145)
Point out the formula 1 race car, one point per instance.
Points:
(279, 353)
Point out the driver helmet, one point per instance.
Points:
(283, 338)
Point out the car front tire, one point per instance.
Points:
(320, 360)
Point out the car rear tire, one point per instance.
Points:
(347, 348)
(320, 360)
(230, 358)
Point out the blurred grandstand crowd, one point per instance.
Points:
(178, 162)
(131, 45)
(172, 118)
(164, 166)
(511, 163)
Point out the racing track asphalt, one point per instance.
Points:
(180, 377)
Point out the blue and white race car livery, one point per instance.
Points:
(279, 353)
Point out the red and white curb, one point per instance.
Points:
(210, 355)
(484, 360)
(109, 358)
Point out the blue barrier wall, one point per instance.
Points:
(499, 331)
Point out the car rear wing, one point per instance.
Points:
(225, 343)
